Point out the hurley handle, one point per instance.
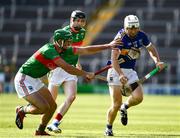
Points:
(152, 73)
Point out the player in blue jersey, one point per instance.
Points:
(123, 61)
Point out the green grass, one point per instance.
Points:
(156, 117)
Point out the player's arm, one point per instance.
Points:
(115, 64)
(96, 48)
(91, 49)
(68, 68)
(155, 56)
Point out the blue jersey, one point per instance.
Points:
(131, 48)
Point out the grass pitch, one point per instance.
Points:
(156, 117)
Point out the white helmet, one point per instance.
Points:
(131, 21)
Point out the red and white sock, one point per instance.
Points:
(57, 118)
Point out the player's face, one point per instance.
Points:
(78, 23)
(66, 43)
(132, 32)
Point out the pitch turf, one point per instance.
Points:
(156, 117)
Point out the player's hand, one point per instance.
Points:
(115, 43)
(79, 66)
(123, 79)
(161, 65)
(89, 76)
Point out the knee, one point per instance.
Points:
(49, 108)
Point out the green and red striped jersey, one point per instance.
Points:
(42, 61)
(77, 37)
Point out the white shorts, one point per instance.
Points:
(26, 85)
(113, 76)
(58, 76)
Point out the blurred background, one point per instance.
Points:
(26, 25)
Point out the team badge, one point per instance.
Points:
(30, 88)
(111, 78)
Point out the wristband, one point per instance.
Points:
(159, 63)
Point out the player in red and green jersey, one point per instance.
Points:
(29, 85)
(76, 27)
(60, 77)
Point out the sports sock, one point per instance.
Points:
(124, 106)
(57, 118)
(109, 126)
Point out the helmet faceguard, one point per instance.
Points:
(131, 21)
(63, 35)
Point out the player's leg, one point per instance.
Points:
(54, 89)
(38, 102)
(116, 99)
(41, 103)
(134, 98)
(44, 92)
(39, 97)
(57, 78)
(70, 90)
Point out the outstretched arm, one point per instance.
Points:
(96, 48)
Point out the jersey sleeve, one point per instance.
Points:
(146, 41)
